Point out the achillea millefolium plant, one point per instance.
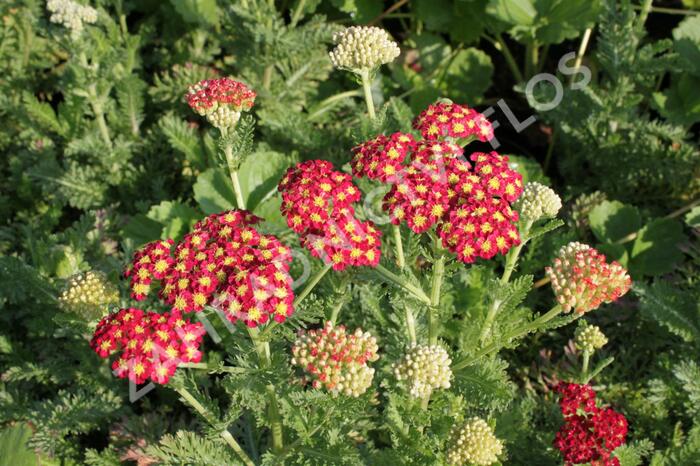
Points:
(226, 245)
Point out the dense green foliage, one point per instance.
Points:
(100, 154)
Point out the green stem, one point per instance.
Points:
(403, 283)
(424, 402)
(336, 311)
(263, 350)
(510, 60)
(311, 284)
(584, 365)
(267, 77)
(550, 151)
(398, 243)
(226, 435)
(233, 171)
(96, 104)
(516, 333)
(643, 14)
(488, 322)
(438, 275)
(531, 58)
(410, 325)
(297, 13)
(367, 88)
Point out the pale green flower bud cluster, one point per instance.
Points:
(71, 15)
(363, 48)
(89, 295)
(537, 202)
(424, 369)
(336, 360)
(589, 338)
(223, 117)
(582, 207)
(473, 443)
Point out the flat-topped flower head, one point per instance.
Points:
(590, 434)
(225, 262)
(382, 158)
(317, 202)
(446, 119)
(537, 202)
(220, 100)
(152, 345)
(582, 280)
(71, 15)
(363, 48)
(89, 295)
(589, 337)
(335, 360)
(473, 443)
(424, 369)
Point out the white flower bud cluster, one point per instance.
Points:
(71, 15)
(474, 443)
(537, 202)
(89, 295)
(336, 360)
(424, 368)
(363, 48)
(223, 117)
(589, 338)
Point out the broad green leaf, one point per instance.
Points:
(201, 12)
(13, 446)
(612, 220)
(142, 229)
(559, 20)
(468, 76)
(687, 42)
(655, 251)
(467, 21)
(615, 252)
(177, 218)
(436, 14)
(680, 103)
(513, 12)
(361, 11)
(213, 191)
(692, 218)
(259, 175)
(528, 168)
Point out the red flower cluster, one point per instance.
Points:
(152, 345)
(317, 202)
(209, 94)
(433, 184)
(447, 119)
(223, 261)
(590, 434)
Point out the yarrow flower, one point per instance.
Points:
(223, 262)
(537, 202)
(220, 100)
(336, 360)
(589, 338)
(473, 443)
(583, 206)
(363, 48)
(152, 345)
(590, 434)
(447, 119)
(71, 15)
(432, 184)
(424, 369)
(582, 280)
(317, 202)
(88, 295)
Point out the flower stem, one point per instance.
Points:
(96, 104)
(336, 311)
(510, 60)
(438, 275)
(312, 284)
(297, 13)
(424, 402)
(410, 325)
(226, 435)
(367, 88)
(263, 350)
(516, 333)
(233, 171)
(403, 283)
(584, 366)
(400, 259)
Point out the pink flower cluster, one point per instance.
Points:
(209, 94)
(582, 280)
(317, 202)
(432, 183)
(589, 434)
(152, 345)
(223, 261)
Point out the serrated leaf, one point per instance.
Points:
(41, 113)
(679, 312)
(183, 138)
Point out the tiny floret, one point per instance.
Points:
(71, 15)
(589, 338)
(582, 280)
(89, 294)
(537, 202)
(424, 369)
(474, 443)
(336, 360)
(363, 48)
